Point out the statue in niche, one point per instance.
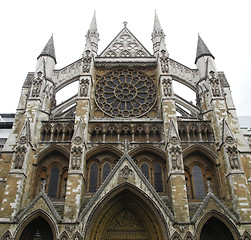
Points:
(164, 62)
(167, 87)
(76, 158)
(37, 83)
(87, 61)
(175, 157)
(233, 157)
(214, 84)
(19, 157)
(43, 185)
(84, 85)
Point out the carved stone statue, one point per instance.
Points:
(76, 158)
(84, 86)
(233, 157)
(175, 157)
(214, 84)
(164, 62)
(87, 61)
(167, 87)
(19, 157)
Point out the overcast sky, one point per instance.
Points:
(27, 25)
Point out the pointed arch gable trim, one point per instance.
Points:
(6, 234)
(205, 202)
(37, 213)
(52, 149)
(110, 176)
(126, 186)
(47, 200)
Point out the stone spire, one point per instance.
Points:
(202, 49)
(158, 36)
(92, 36)
(49, 50)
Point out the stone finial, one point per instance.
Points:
(125, 24)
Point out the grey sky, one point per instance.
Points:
(27, 25)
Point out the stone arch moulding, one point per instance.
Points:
(147, 148)
(100, 149)
(32, 216)
(55, 148)
(7, 235)
(125, 197)
(222, 218)
(200, 149)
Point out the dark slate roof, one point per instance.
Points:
(49, 50)
(28, 80)
(202, 50)
(223, 79)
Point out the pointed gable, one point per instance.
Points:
(125, 45)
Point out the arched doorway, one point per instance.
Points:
(215, 229)
(38, 229)
(126, 214)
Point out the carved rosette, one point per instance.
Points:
(76, 154)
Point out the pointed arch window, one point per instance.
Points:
(145, 170)
(158, 177)
(198, 183)
(93, 182)
(53, 182)
(106, 170)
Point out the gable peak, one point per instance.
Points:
(125, 45)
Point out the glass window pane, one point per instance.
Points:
(93, 184)
(198, 183)
(106, 170)
(53, 183)
(158, 178)
(145, 170)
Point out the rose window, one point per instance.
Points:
(125, 93)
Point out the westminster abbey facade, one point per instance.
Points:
(125, 157)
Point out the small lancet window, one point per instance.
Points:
(53, 182)
(106, 170)
(93, 179)
(158, 178)
(145, 170)
(198, 183)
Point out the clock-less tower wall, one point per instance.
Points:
(125, 157)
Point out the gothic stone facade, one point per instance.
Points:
(125, 157)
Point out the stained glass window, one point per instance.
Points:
(93, 182)
(53, 183)
(145, 170)
(106, 170)
(158, 178)
(198, 183)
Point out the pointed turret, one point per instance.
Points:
(158, 36)
(202, 49)
(49, 50)
(92, 36)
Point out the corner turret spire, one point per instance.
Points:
(158, 36)
(49, 50)
(202, 49)
(92, 36)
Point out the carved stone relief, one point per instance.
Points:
(214, 84)
(19, 157)
(233, 157)
(126, 172)
(76, 157)
(167, 87)
(175, 157)
(86, 61)
(84, 86)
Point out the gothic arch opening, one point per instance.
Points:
(126, 214)
(215, 229)
(38, 226)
